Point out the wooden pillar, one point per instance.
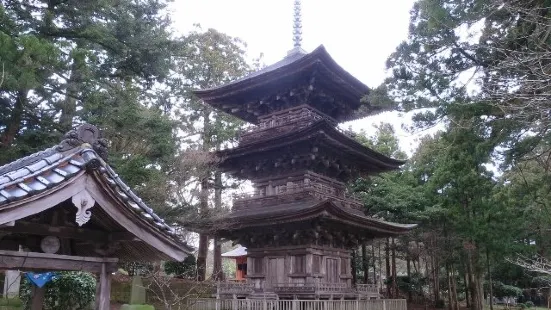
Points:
(103, 293)
(98, 286)
(37, 299)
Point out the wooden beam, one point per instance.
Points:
(8, 224)
(65, 232)
(43, 261)
(138, 226)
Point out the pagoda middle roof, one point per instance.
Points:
(295, 68)
(372, 160)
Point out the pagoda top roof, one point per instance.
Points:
(242, 97)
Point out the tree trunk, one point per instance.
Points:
(428, 276)
(408, 266)
(69, 104)
(450, 298)
(467, 285)
(202, 252)
(436, 277)
(380, 276)
(490, 286)
(454, 289)
(365, 264)
(14, 124)
(388, 274)
(476, 298)
(374, 262)
(353, 267)
(217, 270)
(394, 284)
(480, 288)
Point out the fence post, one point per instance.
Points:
(384, 304)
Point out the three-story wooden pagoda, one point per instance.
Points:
(300, 225)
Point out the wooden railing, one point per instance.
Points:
(252, 304)
(332, 287)
(296, 288)
(235, 288)
(364, 290)
(284, 121)
(367, 289)
(314, 189)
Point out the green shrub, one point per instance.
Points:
(69, 290)
(439, 304)
(186, 269)
(529, 304)
(502, 290)
(15, 302)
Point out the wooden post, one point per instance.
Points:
(104, 289)
(98, 291)
(37, 300)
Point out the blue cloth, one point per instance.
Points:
(40, 279)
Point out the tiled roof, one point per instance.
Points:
(52, 167)
(306, 209)
(237, 252)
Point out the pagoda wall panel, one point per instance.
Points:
(272, 267)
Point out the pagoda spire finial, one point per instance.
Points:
(297, 25)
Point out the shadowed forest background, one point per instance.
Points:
(479, 189)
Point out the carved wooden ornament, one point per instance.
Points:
(84, 202)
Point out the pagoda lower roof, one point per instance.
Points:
(366, 158)
(298, 67)
(305, 210)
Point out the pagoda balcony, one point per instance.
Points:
(235, 288)
(287, 193)
(312, 288)
(368, 290)
(282, 122)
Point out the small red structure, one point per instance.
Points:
(240, 256)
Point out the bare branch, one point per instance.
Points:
(537, 263)
(164, 291)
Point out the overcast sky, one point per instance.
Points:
(359, 35)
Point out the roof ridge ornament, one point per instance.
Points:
(297, 30)
(84, 134)
(297, 25)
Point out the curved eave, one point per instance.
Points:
(330, 74)
(321, 128)
(327, 210)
